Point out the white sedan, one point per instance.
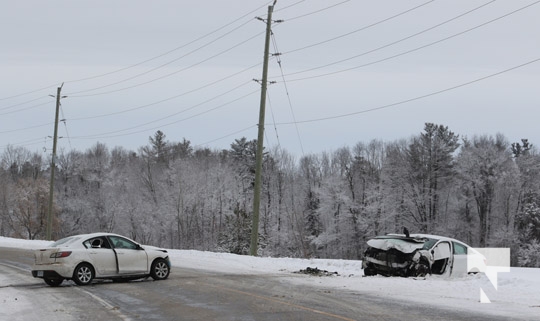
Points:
(420, 254)
(82, 258)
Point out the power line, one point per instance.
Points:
(138, 107)
(278, 55)
(391, 43)
(65, 125)
(289, 6)
(33, 141)
(180, 112)
(24, 102)
(169, 98)
(106, 135)
(329, 117)
(139, 63)
(160, 66)
(273, 119)
(175, 72)
(25, 128)
(174, 49)
(318, 11)
(359, 29)
(405, 52)
(412, 99)
(23, 109)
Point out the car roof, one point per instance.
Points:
(91, 235)
(427, 236)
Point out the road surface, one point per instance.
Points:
(195, 295)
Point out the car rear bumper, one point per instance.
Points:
(46, 274)
(52, 271)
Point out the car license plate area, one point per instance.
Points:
(39, 274)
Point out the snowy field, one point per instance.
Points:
(517, 295)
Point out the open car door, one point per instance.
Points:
(442, 255)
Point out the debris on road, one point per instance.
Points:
(317, 272)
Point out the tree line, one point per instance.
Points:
(481, 190)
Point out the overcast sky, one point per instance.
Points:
(351, 71)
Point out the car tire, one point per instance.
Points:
(83, 274)
(54, 282)
(160, 270)
(368, 271)
(422, 270)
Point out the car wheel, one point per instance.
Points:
(53, 281)
(160, 270)
(422, 269)
(369, 271)
(83, 274)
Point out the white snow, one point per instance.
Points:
(518, 293)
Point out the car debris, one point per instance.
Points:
(317, 272)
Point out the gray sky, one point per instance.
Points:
(352, 71)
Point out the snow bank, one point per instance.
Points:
(518, 293)
(23, 244)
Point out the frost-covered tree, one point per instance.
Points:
(427, 169)
(14, 157)
(182, 149)
(366, 180)
(28, 217)
(484, 165)
(159, 147)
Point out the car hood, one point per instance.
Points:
(402, 245)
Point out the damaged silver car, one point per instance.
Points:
(419, 255)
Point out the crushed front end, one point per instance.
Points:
(396, 257)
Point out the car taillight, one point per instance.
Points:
(60, 254)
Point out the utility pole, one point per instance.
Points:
(259, 154)
(53, 165)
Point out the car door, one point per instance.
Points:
(442, 257)
(101, 256)
(132, 259)
(460, 259)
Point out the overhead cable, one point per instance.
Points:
(175, 72)
(359, 29)
(274, 42)
(412, 99)
(139, 63)
(402, 53)
(106, 135)
(179, 112)
(317, 11)
(169, 98)
(74, 94)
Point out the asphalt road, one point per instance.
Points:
(196, 295)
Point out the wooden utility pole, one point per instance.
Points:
(259, 154)
(53, 166)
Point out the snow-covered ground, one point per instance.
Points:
(517, 295)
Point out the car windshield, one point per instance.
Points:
(65, 241)
(429, 244)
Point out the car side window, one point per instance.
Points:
(122, 243)
(459, 249)
(98, 242)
